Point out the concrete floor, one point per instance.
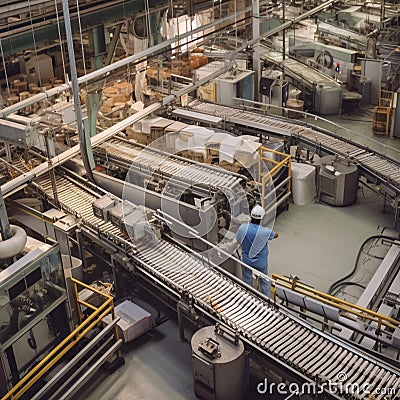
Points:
(157, 366)
(324, 240)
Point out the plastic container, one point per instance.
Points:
(303, 183)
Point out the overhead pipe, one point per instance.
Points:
(14, 245)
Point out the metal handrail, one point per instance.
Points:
(345, 306)
(334, 128)
(264, 177)
(68, 343)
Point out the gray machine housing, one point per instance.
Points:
(337, 181)
(219, 365)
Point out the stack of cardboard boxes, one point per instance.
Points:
(181, 67)
(114, 103)
(197, 143)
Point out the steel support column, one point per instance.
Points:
(85, 147)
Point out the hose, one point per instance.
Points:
(13, 246)
(347, 283)
(337, 283)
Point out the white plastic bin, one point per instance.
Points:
(303, 183)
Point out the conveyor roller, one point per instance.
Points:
(378, 164)
(316, 355)
(170, 166)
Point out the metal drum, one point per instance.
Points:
(219, 365)
(338, 181)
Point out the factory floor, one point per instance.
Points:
(317, 242)
(323, 243)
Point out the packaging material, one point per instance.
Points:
(158, 128)
(124, 88)
(213, 143)
(303, 183)
(134, 320)
(228, 148)
(197, 141)
(172, 133)
(136, 107)
(180, 144)
(148, 122)
(137, 126)
(232, 167)
(247, 153)
(110, 91)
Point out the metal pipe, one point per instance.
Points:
(4, 223)
(90, 372)
(73, 151)
(75, 360)
(13, 246)
(84, 145)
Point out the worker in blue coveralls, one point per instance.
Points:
(254, 240)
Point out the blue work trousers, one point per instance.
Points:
(265, 285)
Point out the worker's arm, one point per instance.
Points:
(272, 235)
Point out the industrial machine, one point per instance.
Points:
(371, 164)
(33, 311)
(219, 364)
(322, 93)
(337, 181)
(235, 84)
(145, 217)
(204, 291)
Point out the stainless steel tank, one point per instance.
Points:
(327, 98)
(338, 181)
(219, 365)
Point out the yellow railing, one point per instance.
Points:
(267, 178)
(346, 308)
(107, 307)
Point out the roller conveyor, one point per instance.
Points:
(313, 354)
(346, 34)
(377, 164)
(78, 202)
(297, 70)
(168, 165)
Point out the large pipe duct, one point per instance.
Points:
(13, 246)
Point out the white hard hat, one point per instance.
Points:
(257, 212)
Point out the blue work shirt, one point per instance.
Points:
(254, 239)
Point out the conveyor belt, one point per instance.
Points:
(77, 201)
(314, 355)
(347, 35)
(373, 162)
(186, 170)
(304, 349)
(297, 70)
